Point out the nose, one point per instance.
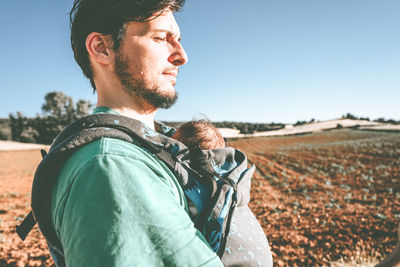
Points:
(178, 56)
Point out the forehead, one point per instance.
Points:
(165, 22)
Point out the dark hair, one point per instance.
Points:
(199, 133)
(109, 17)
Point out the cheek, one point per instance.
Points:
(147, 62)
(138, 67)
(156, 55)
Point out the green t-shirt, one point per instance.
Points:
(115, 204)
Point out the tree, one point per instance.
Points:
(58, 110)
(29, 135)
(5, 130)
(349, 116)
(83, 108)
(59, 105)
(300, 123)
(17, 124)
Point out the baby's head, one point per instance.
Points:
(199, 133)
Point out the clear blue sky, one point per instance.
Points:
(256, 61)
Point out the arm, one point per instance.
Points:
(121, 212)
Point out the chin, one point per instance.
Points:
(169, 94)
(167, 89)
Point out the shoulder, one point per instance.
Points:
(114, 150)
(116, 165)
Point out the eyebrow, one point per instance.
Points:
(167, 31)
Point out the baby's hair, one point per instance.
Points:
(199, 133)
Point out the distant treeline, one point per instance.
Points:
(353, 117)
(383, 120)
(59, 110)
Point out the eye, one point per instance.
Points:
(160, 38)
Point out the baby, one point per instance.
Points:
(199, 134)
(247, 244)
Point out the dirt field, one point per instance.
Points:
(16, 173)
(323, 196)
(318, 197)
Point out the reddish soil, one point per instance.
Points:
(318, 197)
(16, 173)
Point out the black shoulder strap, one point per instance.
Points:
(29, 222)
(26, 226)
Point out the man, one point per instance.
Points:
(114, 203)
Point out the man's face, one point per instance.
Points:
(147, 61)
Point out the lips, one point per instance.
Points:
(172, 73)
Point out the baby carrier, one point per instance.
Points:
(216, 182)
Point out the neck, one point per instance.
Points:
(127, 105)
(146, 118)
(110, 93)
(137, 114)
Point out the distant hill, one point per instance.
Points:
(313, 127)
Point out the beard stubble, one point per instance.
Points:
(137, 88)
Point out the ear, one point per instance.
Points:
(99, 48)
